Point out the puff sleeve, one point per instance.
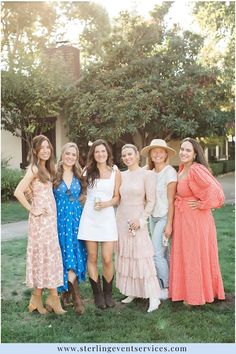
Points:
(150, 194)
(205, 187)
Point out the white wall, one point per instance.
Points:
(11, 148)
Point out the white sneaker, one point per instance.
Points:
(154, 303)
(164, 295)
(128, 300)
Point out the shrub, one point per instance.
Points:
(9, 180)
(217, 168)
(229, 165)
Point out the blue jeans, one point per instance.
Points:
(161, 253)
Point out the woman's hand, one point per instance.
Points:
(39, 212)
(101, 205)
(134, 224)
(193, 204)
(168, 231)
(82, 198)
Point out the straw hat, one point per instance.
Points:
(158, 143)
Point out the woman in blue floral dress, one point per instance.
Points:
(67, 191)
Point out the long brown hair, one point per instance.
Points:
(92, 171)
(34, 160)
(200, 158)
(76, 168)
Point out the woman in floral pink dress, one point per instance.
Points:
(195, 276)
(44, 261)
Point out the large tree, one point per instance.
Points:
(148, 84)
(27, 100)
(26, 29)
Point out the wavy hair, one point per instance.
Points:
(76, 168)
(91, 169)
(200, 158)
(35, 161)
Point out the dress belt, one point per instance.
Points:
(180, 202)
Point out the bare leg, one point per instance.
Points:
(92, 249)
(107, 263)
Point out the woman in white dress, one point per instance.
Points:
(98, 223)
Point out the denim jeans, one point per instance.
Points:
(161, 253)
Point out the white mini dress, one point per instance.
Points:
(99, 225)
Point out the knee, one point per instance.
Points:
(92, 258)
(107, 261)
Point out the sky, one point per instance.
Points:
(179, 14)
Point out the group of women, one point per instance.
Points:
(64, 237)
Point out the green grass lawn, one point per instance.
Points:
(172, 323)
(13, 211)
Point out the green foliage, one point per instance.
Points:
(217, 21)
(217, 168)
(148, 83)
(26, 28)
(9, 180)
(96, 27)
(229, 166)
(27, 100)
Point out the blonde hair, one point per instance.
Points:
(77, 170)
(131, 146)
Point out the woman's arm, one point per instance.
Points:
(150, 195)
(22, 187)
(171, 191)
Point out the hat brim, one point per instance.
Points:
(145, 151)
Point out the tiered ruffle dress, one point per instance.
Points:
(195, 275)
(135, 269)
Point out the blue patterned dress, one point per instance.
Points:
(69, 211)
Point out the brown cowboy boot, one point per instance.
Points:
(98, 295)
(78, 304)
(107, 290)
(66, 298)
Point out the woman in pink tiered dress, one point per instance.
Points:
(44, 262)
(135, 268)
(195, 275)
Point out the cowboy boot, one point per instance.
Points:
(53, 304)
(36, 304)
(98, 295)
(66, 298)
(78, 304)
(107, 290)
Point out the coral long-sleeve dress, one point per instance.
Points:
(195, 275)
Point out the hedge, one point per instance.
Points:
(217, 168)
(9, 180)
(229, 165)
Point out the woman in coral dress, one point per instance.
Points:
(44, 262)
(67, 191)
(135, 268)
(195, 275)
